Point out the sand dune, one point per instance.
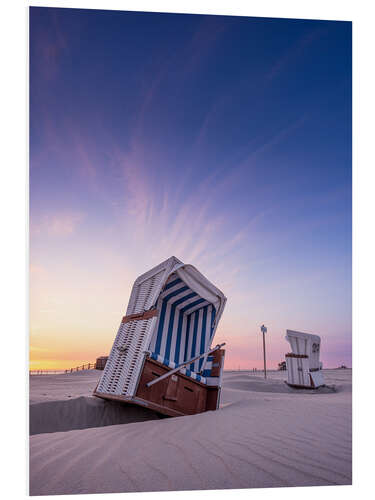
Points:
(81, 413)
(264, 435)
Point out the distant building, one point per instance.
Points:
(100, 362)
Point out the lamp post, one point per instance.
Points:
(263, 329)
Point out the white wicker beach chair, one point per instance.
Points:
(162, 357)
(303, 365)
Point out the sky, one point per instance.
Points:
(225, 141)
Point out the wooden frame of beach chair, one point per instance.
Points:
(303, 365)
(161, 357)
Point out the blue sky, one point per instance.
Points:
(225, 141)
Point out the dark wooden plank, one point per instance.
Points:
(172, 388)
(140, 316)
(218, 358)
(186, 396)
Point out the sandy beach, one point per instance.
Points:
(265, 434)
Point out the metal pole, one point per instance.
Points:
(264, 330)
(264, 356)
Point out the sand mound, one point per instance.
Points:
(256, 384)
(82, 413)
(262, 443)
(259, 438)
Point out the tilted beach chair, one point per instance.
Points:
(162, 357)
(303, 365)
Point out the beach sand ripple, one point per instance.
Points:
(264, 435)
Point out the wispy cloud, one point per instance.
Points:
(49, 47)
(57, 225)
(63, 224)
(203, 42)
(291, 55)
(86, 165)
(158, 157)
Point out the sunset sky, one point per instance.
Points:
(225, 141)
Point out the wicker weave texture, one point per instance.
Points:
(125, 361)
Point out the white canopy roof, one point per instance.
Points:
(143, 297)
(200, 284)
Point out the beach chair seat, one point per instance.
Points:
(303, 365)
(171, 320)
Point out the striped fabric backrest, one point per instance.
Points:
(185, 324)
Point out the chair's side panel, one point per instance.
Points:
(293, 343)
(314, 356)
(317, 378)
(217, 371)
(298, 371)
(218, 365)
(125, 361)
(143, 293)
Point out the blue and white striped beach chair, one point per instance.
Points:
(162, 356)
